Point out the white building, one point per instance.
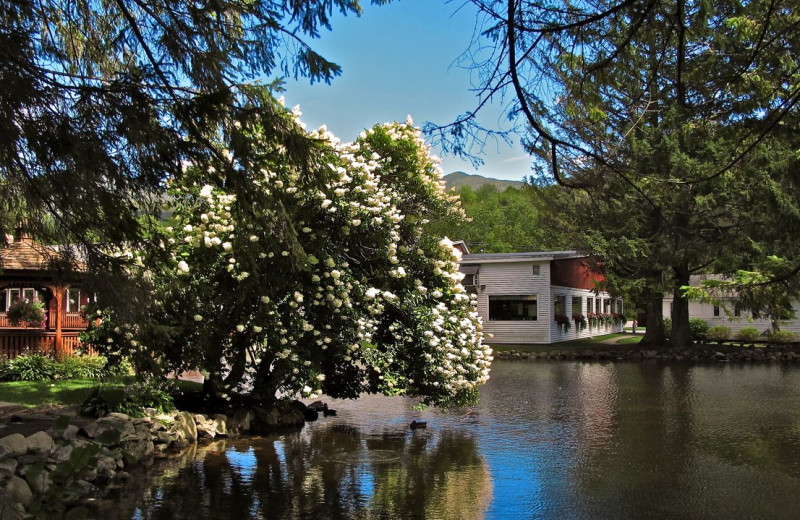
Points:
(734, 320)
(520, 296)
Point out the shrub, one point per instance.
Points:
(82, 367)
(667, 327)
(748, 334)
(782, 336)
(122, 367)
(29, 367)
(24, 311)
(698, 329)
(131, 400)
(719, 333)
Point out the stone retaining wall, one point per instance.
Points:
(57, 469)
(704, 353)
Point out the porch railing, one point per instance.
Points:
(13, 343)
(72, 320)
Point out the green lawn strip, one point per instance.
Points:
(630, 341)
(578, 344)
(66, 391)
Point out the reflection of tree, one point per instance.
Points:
(652, 418)
(446, 480)
(334, 472)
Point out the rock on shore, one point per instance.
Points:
(68, 463)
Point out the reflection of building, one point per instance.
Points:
(734, 319)
(36, 272)
(527, 297)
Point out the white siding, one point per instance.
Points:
(557, 333)
(516, 278)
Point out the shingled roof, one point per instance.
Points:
(27, 255)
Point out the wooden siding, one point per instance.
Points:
(705, 311)
(575, 273)
(14, 343)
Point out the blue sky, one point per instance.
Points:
(398, 60)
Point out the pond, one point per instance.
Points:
(548, 440)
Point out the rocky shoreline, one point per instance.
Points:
(702, 353)
(56, 470)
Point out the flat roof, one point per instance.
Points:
(536, 256)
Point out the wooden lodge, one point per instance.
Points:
(38, 273)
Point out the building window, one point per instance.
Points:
(606, 305)
(513, 308)
(716, 311)
(560, 305)
(535, 270)
(13, 295)
(589, 305)
(3, 301)
(599, 305)
(577, 308)
(469, 280)
(737, 312)
(73, 300)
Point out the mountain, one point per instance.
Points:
(458, 179)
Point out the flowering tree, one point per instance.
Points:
(291, 274)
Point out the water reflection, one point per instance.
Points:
(334, 471)
(548, 440)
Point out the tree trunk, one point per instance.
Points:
(654, 325)
(681, 334)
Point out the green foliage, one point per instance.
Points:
(26, 312)
(53, 392)
(782, 336)
(38, 367)
(677, 171)
(513, 219)
(457, 180)
(747, 334)
(719, 333)
(369, 301)
(107, 103)
(82, 367)
(698, 329)
(28, 367)
(667, 327)
(131, 400)
(106, 337)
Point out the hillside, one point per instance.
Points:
(458, 179)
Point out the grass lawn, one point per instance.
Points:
(66, 391)
(595, 343)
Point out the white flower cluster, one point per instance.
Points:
(325, 293)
